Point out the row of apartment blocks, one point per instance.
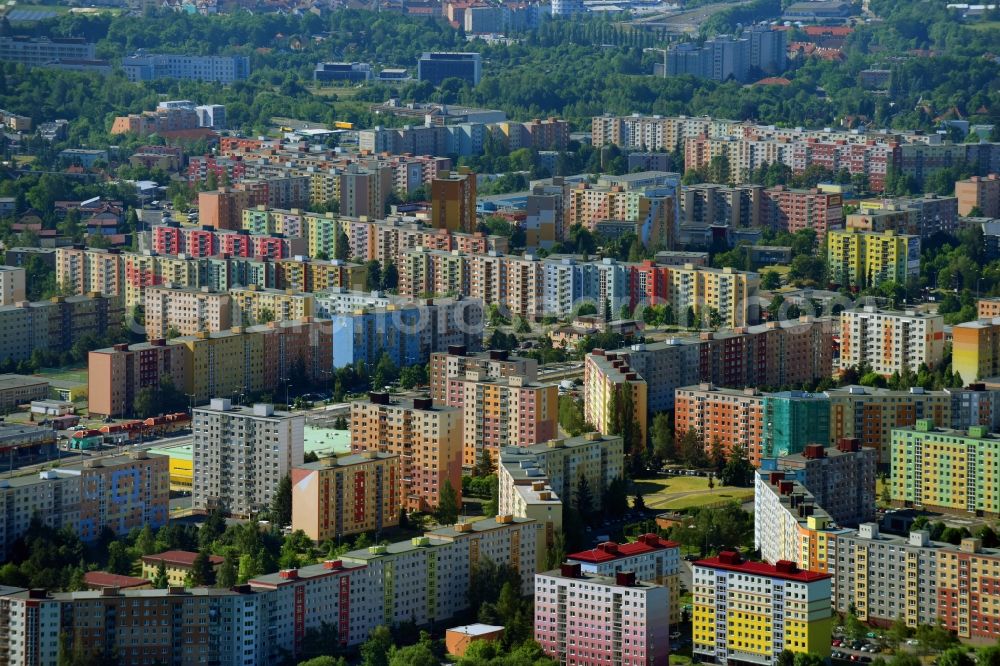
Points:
(425, 580)
(120, 493)
(241, 158)
(383, 240)
(170, 238)
(881, 577)
(124, 276)
(766, 355)
(465, 138)
(248, 360)
(529, 286)
(57, 324)
(766, 425)
(748, 146)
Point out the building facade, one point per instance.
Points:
(890, 342)
(241, 454)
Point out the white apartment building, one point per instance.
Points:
(242, 453)
(890, 341)
(12, 285)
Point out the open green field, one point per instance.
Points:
(983, 25)
(340, 92)
(68, 375)
(687, 492)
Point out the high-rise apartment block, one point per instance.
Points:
(57, 324)
(607, 378)
(981, 193)
(333, 498)
(752, 612)
(884, 577)
(791, 420)
(12, 285)
(870, 414)
(947, 470)
(455, 362)
(560, 463)
(729, 418)
(768, 355)
(585, 619)
(868, 259)
(119, 492)
(408, 332)
(253, 305)
(427, 438)
(453, 201)
(500, 412)
(186, 310)
(241, 454)
(976, 349)
(82, 270)
(890, 342)
(725, 57)
(649, 557)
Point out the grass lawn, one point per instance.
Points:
(976, 25)
(39, 8)
(340, 92)
(70, 375)
(687, 492)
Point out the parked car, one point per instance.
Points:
(836, 642)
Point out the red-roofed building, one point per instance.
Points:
(100, 580)
(752, 611)
(651, 558)
(774, 81)
(178, 563)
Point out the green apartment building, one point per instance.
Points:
(793, 419)
(947, 470)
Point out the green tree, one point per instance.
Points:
(342, 246)
(228, 570)
(375, 651)
(390, 277)
(583, 499)
(662, 435)
(956, 656)
(146, 543)
(324, 660)
(447, 510)
(119, 559)
(738, 470)
(373, 274)
(854, 628)
(898, 632)
(770, 280)
(281, 503)
(201, 573)
(160, 580)
(413, 655)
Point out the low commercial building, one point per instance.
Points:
(458, 639)
(336, 497)
(752, 612)
(582, 619)
(18, 390)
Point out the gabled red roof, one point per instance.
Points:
(609, 550)
(105, 579)
(182, 558)
(783, 569)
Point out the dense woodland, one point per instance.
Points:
(555, 70)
